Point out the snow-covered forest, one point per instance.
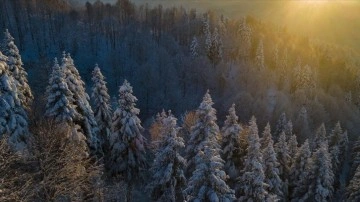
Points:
(125, 102)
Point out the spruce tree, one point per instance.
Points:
(298, 175)
(245, 35)
(293, 148)
(59, 104)
(204, 128)
(302, 125)
(207, 32)
(17, 71)
(102, 109)
(87, 120)
(259, 59)
(353, 189)
(320, 178)
(231, 144)
(319, 138)
(14, 120)
(282, 151)
(355, 156)
(280, 125)
(207, 182)
(215, 50)
(168, 179)
(271, 170)
(194, 52)
(266, 137)
(338, 146)
(252, 184)
(127, 144)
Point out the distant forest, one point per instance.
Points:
(300, 88)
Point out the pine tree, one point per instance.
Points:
(245, 35)
(205, 128)
(282, 151)
(338, 146)
(293, 147)
(259, 59)
(319, 138)
(168, 179)
(271, 170)
(266, 137)
(252, 182)
(280, 125)
(320, 178)
(17, 71)
(14, 120)
(207, 182)
(215, 50)
(194, 48)
(302, 127)
(102, 109)
(289, 130)
(59, 98)
(81, 100)
(284, 82)
(207, 33)
(231, 144)
(353, 189)
(298, 175)
(127, 153)
(355, 156)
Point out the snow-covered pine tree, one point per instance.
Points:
(59, 104)
(127, 144)
(231, 145)
(338, 146)
(355, 156)
(282, 151)
(302, 127)
(284, 81)
(289, 130)
(353, 189)
(207, 182)
(87, 120)
(321, 177)
(207, 32)
(168, 179)
(260, 59)
(215, 50)
(194, 48)
(280, 125)
(252, 186)
(298, 175)
(245, 34)
(14, 120)
(17, 71)
(271, 168)
(266, 137)
(319, 138)
(204, 128)
(102, 108)
(293, 148)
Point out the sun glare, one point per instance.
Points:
(315, 1)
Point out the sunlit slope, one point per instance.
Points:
(331, 21)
